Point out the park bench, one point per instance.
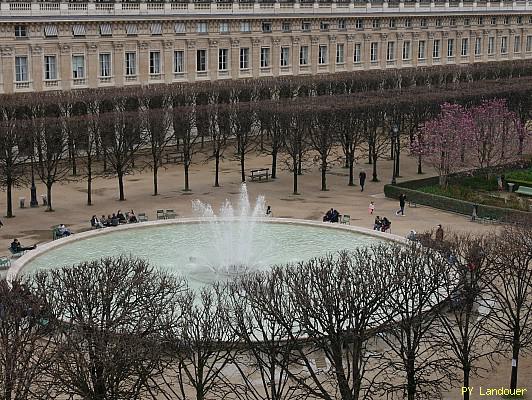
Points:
(5, 263)
(524, 190)
(346, 219)
(142, 217)
(174, 157)
(260, 173)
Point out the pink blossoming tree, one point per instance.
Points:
(443, 140)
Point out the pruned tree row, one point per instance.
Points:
(388, 321)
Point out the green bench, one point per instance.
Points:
(524, 190)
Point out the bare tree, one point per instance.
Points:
(417, 367)
(121, 138)
(203, 343)
(350, 136)
(376, 138)
(115, 315)
(184, 130)
(295, 126)
(25, 351)
(265, 348)
(13, 154)
(51, 147)
(219, 131)
(466, 322)
(510, 283)
(243, 118)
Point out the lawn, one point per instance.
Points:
(481, 190)
(524, 175)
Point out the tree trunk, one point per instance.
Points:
(9, 200)
(242, 167)
(186, 165)
(121, 186)
(49, 196)
(515, 359)
(375, 177)
(217, 170)
(397, 162)
(466, 382)
(419, 166)
(295, 175)
(274, 164)
(89, 185)
(74, 164)
(300, 162)
(351, 170)
(323, 175)
(411, 378)
(155, 181)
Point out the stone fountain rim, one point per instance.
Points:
(18, 265)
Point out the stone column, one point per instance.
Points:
(349, 52)
(332, 53)
(92, 66)
(36, 65)
(314, 52)
(415, 49)
(296, 43)
(275, 61)
(191, 61)
(235, 58)
(429, 48)
(212, 59)
(119, 64)
(383, 48)
(143, 63)
(65, 66)
(168, 61)
(485, 38)
(255, 56)
(366, 51)
(399, 50)
(8, 68)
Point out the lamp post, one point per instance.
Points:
(33, 190)
(394, 134)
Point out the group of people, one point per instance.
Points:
(114, 220)
(331, 216)
(382, 224)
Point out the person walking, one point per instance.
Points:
(439, 234)
(371, 208)
(362, 180)
(402, 202)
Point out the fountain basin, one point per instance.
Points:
(184, 246)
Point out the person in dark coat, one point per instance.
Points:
(402, 202)
(362, 179)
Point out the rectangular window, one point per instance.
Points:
(179, 61)
(131, 30)
(156, 29)
(324, 25)
(20, 31)
(21, 69)
(421, 50)
(359, 23)
(155, 62)
(519, 20)
(303, 55)
(452, 22)
(224, 27)
(450, 47)
(529, 44)
(423, 22)
(50, 31)
(375, 23)
(201, 60)
(408, 23)
(465, 47)
(285, 56)
(202, 27)
(78, 30)
(286, 27)
(105, 65)
(493, 21)
(406, 50)
(245, 26)
(339, 53)
(244, 58)
(50, 68)
(491, 45)
(266, 27)
(306, 26)
(390, 51)
(480, 21)
(342, 24)
(78, 67)
(467, 22)
(131, 63)
(374, 52)
(439, 22)
(264, 57)
(506, 20)
(391, 23)
(322, 54)
(436, 48)
(517, 44)
(504, 45)
(478, 46)
(357, 54)
(223, 57)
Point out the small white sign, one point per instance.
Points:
(514, 362)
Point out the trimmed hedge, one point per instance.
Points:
(448, 203)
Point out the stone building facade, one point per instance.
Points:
(69, 45)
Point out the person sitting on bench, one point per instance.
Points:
(132, 217)
(121, 217)
(385, 225)
(63, 231)
(16, 247)
(96, 223)
(328, 216)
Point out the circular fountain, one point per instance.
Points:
(209, 247)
